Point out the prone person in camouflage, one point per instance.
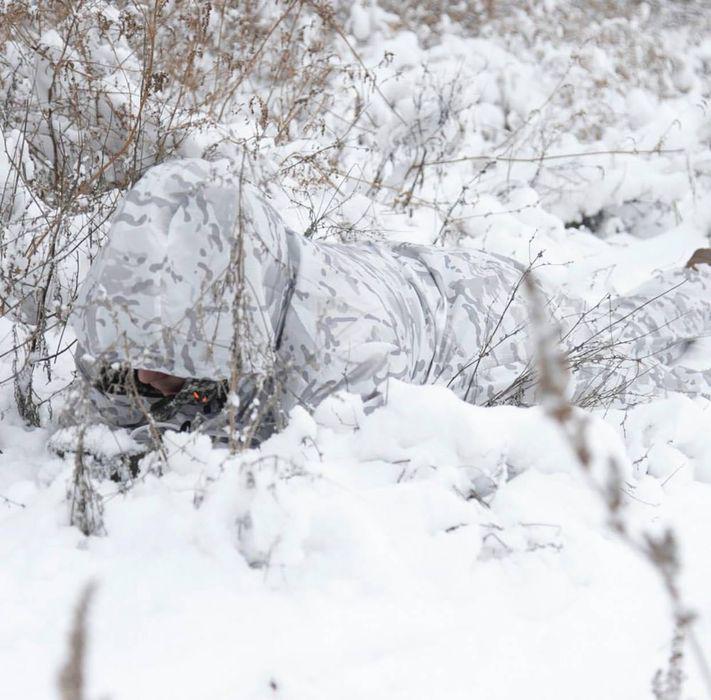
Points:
(200, 285)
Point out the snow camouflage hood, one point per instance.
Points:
(190, 240)
(162, 293)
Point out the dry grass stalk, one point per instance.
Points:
(86, 507)
(72, 677)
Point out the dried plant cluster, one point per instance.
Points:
(95, 93)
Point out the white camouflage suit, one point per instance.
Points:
(194, 254)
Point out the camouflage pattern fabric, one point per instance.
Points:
(201, 278)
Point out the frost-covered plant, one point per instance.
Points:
(94, 93)
(86, 510)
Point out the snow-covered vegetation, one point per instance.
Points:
(430, 549)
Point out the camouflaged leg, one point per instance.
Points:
(633, 348)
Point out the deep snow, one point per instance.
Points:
(346, 557)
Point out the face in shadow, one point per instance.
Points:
(166, 384)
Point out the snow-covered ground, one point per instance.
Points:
(347, 557)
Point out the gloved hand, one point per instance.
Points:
(702, 256)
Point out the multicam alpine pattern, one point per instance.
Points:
(201, 278)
